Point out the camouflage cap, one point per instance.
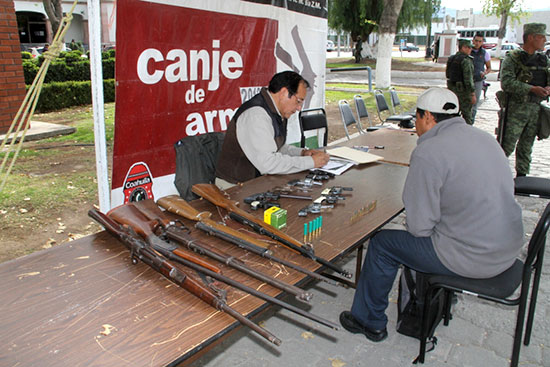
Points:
(535, 28)
(464, 42)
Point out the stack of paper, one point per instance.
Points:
(354, 155)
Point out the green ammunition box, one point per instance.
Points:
(278, 218)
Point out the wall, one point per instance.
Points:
(12, 83)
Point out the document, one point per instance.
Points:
(354, 155)
(337, 166)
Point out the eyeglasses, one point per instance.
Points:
(298, 99)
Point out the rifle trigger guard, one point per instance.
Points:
(182, 225)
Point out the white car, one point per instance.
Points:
(330, 45)
(37, 51)
(547, 49)
(504, 49)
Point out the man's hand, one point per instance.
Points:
(320, 158)
(540, 91)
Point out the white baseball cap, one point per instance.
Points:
(435, 99)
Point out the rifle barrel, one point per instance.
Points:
(140, 249)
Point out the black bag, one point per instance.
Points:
(410, 306)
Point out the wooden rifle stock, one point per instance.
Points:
(128, 214)
(149, 209)
(179, 206)
(140, 250)
(213, 194)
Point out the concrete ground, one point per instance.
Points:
(480, 333)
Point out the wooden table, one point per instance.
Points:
(398, 144)
(83, 303)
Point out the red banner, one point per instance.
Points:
(181, 72)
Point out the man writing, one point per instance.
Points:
(482, 67)
(254, 143)
(525, 77)
(460, 78)
(462, 217)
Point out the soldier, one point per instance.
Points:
(525, 77)
(460, 78)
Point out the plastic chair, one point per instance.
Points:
(382, 106)
(313, 119)
(347, 117)
(498, 289)
(362, 112)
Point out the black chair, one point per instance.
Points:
(347, 117)
(532, 186)
(498, 289)
(362, 112)
(382, 106)
(313, 119)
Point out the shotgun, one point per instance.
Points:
(179, 233)
(139, 250)
(129, 215)
(213, 194)
(179, 206)
(133, 217)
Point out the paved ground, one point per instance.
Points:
(480, 333)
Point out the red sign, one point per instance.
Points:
(181, 72)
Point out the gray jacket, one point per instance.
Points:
(460, 192)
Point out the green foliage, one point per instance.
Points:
(85, 128)
(362, 17)
(512, 8)
(30, 69)
(58, 95)
(25, 55)
(108, 68)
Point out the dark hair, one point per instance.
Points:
(478, 34)
(438, 117)
(286, 79)
(525, 36)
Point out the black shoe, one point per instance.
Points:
(353, 326)
(520, 175)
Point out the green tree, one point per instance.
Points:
(504, 9)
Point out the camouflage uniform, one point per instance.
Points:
(465, 88)
(523, 107)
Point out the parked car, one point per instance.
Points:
(330, 45)
(37, 51)
(409, 47)
(504, 49)
(547, 49)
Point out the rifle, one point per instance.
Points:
(213, 194)
(129, 215)
(179, 233)
(179, 206)
(139, 250)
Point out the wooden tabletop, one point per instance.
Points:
(398, 144)
(83, 303)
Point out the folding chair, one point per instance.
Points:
(498, 289)
(313, 119)
(347, 117)
(396, 103)
(362, 112)
(382, 106)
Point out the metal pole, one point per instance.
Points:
(94, 29)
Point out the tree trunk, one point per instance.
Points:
(501, 31)
(387, 29)
(55, 13)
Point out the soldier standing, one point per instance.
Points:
(525, 77)
(460, 78)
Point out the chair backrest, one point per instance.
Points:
(347, 115)
(313, 119)
(395, 101)
(361, 110)
(381, 105)
(538, 240)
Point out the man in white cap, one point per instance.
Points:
(462, 217)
